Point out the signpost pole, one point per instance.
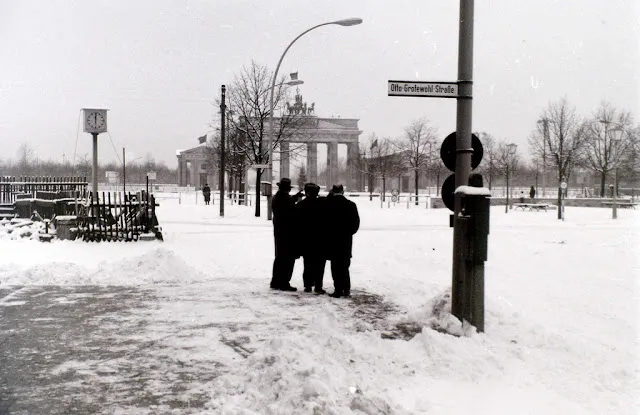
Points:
(460, 285)
(222, 126)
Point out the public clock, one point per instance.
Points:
(95, 120)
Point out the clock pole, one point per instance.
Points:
(94, 168)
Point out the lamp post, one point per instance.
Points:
(616, 135)
(344, 22)
(545, 134)
(511, 151)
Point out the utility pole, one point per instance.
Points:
(463, 154)
(222, 119)
(124, 172)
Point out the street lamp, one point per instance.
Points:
(344, 22)
(545, 134)
(511, 151)
(616, 135)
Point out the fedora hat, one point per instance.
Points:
(285, 183)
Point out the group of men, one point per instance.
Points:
(318, 229)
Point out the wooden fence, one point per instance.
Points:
(118, 217)
(69, 187)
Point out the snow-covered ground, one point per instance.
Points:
(562, 311)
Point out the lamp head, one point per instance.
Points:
(616, 134)
(349, 22)
(512, 148)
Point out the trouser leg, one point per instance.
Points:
(308, 272)
(276, 274)
(341, 276)
(319, 273)
(287, 270)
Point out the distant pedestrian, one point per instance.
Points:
(284, 232)
(343, 222)
(532, 193)
(206, 192)
(312, 243)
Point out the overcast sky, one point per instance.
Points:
(158, 65)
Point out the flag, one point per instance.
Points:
(202, 139)
(374, 144)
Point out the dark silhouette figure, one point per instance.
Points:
(343, 221)
(206, 192)
(532, 193)
(284, 223)
(312, 243)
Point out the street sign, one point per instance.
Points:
(423, 89)
(109, 174)
(395, 192)
(563, 185)
(259, 166)
(394, 198)
(151, 175)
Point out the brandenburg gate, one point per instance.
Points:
(196, 167)
(320, 130)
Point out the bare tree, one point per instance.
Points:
(601, 153)
(507, 163)
(25, 157)
(563, 141)
(248, 96)
(386, 162)
(416, 147)
(487, 166)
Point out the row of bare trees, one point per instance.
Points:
(27, 163)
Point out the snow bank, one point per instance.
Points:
(158, 266)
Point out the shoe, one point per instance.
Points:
(320, 291)
(274, 287)
(336, 294)
(307, 289)
(288, 288)
(346, 294)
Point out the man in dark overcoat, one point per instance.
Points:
(284, 232)
(206, 192)
(312, 243)
(343, 221)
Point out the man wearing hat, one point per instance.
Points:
(312, 243)
(344, 221)
(284, 224)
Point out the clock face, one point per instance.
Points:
(96, 120)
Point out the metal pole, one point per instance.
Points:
(124, 172)
(506, 206)
(544, 156)
(614, 211)
(94, 167)
(223, 107)
(463, 151)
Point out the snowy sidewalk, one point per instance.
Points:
(89, 349)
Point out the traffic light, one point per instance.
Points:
(448, 156)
